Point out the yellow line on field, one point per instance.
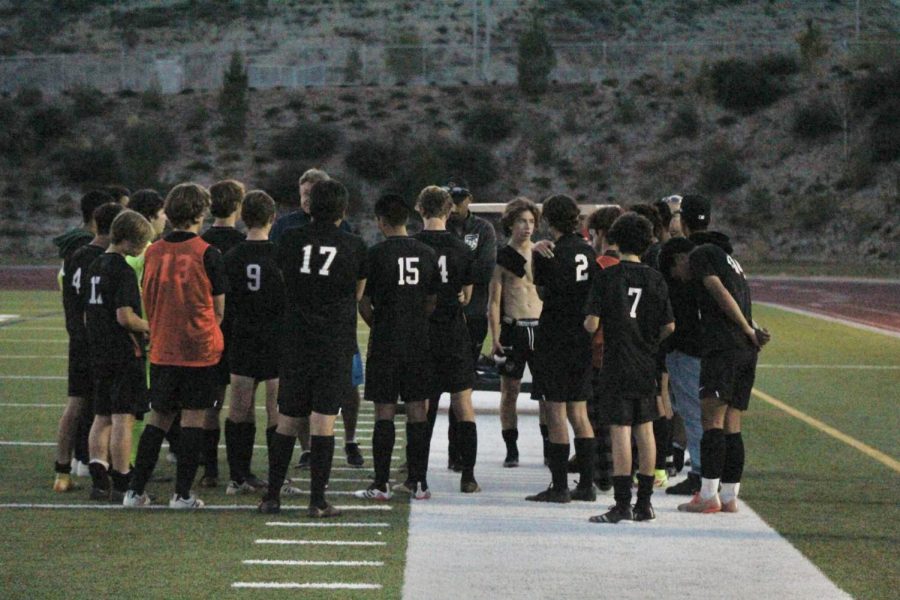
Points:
(839, 435)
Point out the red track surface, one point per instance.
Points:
(28, 278)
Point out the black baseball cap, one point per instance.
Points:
(695, 211)
(457, 189)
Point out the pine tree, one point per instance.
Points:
(233, 101)
(536, 59)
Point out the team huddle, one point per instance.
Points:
(631, 334)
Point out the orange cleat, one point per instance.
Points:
(699, 505)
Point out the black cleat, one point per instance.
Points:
(644, 513)
(585, 494)
(305, 457)
(354, 457)
(269, 505)
(322, 512)
(511, 461)
(255, 482)
(551, 495)
(469, 486)
(99, 494)
(688, 487)
(616, 514)
(603, 482)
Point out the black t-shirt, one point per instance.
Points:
(454, 260)
(74, 284)
(565, 282)
(321, 265)
(632, 301)
(256, 290)
(223, 238)
(110, 284)
(687, 336)
(720, 332)
(403, 272)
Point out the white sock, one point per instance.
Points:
(709, 488)
(350, 440)
(730, 491)
(102, 463)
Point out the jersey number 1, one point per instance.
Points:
(95, 298)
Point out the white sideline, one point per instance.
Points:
(53, 506)
(497, 545)
(305, 586)
(336, 524)
(833, 319)
(320, 542)
(316, 563)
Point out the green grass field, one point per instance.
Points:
(834, 503)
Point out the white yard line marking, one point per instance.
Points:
(320, 542)
(25, 405)
(833, 319)
(316, 563)
(336, 524)
(34, 328)
(25, 505)
(272, 585)
(861, 367)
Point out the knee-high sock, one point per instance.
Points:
(453, 443)
(416, 448)
(604, 451)
(662, 432)
(734, 458)
(321, 449)
(280, 451)
(712, 453)
(147, 454)
(645, 489)
(382, 447)
(80, 448)
(248, 437)
(559, 458)
(210, 451)
(233, 451)
(510, 438)
(545, 436)
(585, 450)
(467, 443)
(192, 439)
(622, 490)
(174, 437)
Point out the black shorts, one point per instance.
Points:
(223, 369)
(517, 339)
(729, 376)
(120, 388)
(315, 383)
(255, 357)
(451, 354)
(389, 379)
(626, 410)
(563, 367)
(182, 388)
(81, 382)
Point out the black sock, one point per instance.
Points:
(416, 447)
(585, 450)
(248, 438)
(453, 443)
(467, 442)
(233, 450)
(433, 404)
(734, 458)
(99, 475)
(210, 452)
(147, 454)
(662, 433)
(269, 432)
(382, 447)
(192, 440)
(174, 437)
(604, 452)
(712, 453)
(645, 489)
(119, 480)
(559, 459)
(321, 454)
(280, 451)
(62, 467)
(510, 437)
(545, 436)
(622, 489)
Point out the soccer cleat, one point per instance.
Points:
(373, 492)
(289, 490)
(699, 505)
(643, 513)
(209, 481)
(116, 497)
(616, 514)
(269, 505)
(603, 482)
(305, 457)
(189, 503)
(421, 494)
(551, 495)
(660, 478)
(64, 483)
(255, 482)
(688, 487)
(354, 457)
(316, 512)
(80, 469)
(234, 488)
(133, 500)
(407, 487)
(511, 461)
(584, 494)
(101, 494)
(730, 506)
(469, 486)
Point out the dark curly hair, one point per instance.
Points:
(632, 233)
(561, 213)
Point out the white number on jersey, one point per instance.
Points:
(409, 270)
(581, 267)
(636, 292)
(95, 298)
(329, 251)
(253, 277)
(442, 264)
(734, 265)
(76, 281)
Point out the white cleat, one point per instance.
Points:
(373, 493)
(189, 503)
(133, 500)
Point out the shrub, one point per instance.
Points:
(92, 163)
(813, 44)
(627, 110)
(197, 119)
(778, 64)
(11, 140)
(435, 160)
(685, 123)
(543, 144)
(489, 124)
(876, 88)
(719, 171)
(859, 172)
(306, 140)
(813, 210)
(884, 133)
(743, 86)
(353, 67)
(816, 120)
(50, 123)
(372, 160)
(536, 59)
(233, 103)
(87, 102)
(282, 183)
(29, 97)
(152, 98)
(145, 147)
(476, 163)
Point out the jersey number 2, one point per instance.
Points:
(581, 267)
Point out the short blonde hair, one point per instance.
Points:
(131, 226)
(313, 176)
(434, 201)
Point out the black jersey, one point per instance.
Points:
(321, 265)
(403, 272)
(719, 331)
(223, 239)
(256, 290)
(632, 301)
(74, 283)
(564, 282)
(454, 260)
(109, 284)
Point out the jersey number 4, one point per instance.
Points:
(329, 252)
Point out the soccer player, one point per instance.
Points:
(184, 295)
(449, 341)
(399, 297)
(115, 329)
(730, 345)
(324, 270)
(88, 243)
(225, 205)
(563, 349)
(256, 303)
(631, 300)
(514, 308)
